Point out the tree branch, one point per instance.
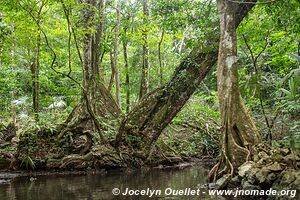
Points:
(250, 2)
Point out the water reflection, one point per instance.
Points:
(99, 187)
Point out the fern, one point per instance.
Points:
(28, 162)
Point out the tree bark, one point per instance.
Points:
(98, 40)
(239, 132)
(116, 52)
(35, 68)
(160, 58)
(13, 66)
(145, 67)
(157, 109)
(112, 66)
(127, 81)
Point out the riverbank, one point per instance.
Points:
(272, 168)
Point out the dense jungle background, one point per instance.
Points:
(127, 83)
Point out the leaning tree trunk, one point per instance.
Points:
(156, 109)
(239, 132)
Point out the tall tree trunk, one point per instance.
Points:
(35, 68)
(116, 52)
(35, 65)
(13, 55)
(127, 82)
(145, 68)
(157, 109)
(88, 53)
(98, 40)
(112, 66)
(239, 132)
(160, 58)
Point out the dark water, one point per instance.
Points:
(98, 187)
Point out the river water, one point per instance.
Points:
(161, 182)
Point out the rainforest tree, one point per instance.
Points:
(239, 132)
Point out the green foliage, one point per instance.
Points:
(293, 139)
(27, 162)
(28, 145)
(293, 89)
(110, 128)
(29, 140)
(268, 49)
(19, 33)
(195, 130)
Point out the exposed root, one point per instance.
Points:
(158, 156)
(169, 148)
(212, 175)
(78, 159)
(88, 144)
(228, 163)
(162, 153)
